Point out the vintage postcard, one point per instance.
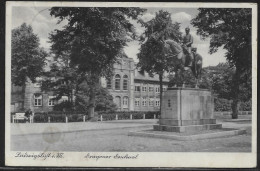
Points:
(109, 84)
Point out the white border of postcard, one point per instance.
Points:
(145, 159)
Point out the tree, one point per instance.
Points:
(93, 38)
(28, 59)
(229, 28)
(152, 58)
(103, 100)
(221, 78)
(62, 79)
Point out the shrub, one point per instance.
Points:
(66, 105)
(40, 117)
(222, 104)
(245, 106)
(225, 105)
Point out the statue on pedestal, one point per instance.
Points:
(183, 57)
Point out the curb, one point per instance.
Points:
(190, 137)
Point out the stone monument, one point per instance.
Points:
(187, 110)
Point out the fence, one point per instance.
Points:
(65, 118)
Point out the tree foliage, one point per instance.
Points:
(93, 37)
(28, 59)
(218, 79)
(229, 28)
(152, 58)
(104, 101)
(93, 40)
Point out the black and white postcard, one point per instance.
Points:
(109, 84)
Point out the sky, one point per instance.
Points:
(43, 24)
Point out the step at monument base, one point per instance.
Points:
(189, 128)
(175, 122)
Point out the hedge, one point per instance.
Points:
(221, 105)
(58, 117)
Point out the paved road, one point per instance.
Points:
(109, 140)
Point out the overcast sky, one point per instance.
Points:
(43, 24)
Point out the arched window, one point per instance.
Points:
(125, 82)
(125, 102)
(118, 101)
(117, 82)
(109, 84)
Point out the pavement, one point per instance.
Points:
(42, 128)
(111, 136)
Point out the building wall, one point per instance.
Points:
(148, 96)
(126, 67)
(17, 96)
(29, 101)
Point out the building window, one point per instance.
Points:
(144, 101)
(169, 103)
(157, 102)
(125, 82)
(117, 82)
(118, 101)
(37, 100)
(51, 100)
(137, 88)
(125, 102)
(144, 88)
(109, 84)
(150, 102)
(150, 89)
(137, 101)
(157, 89)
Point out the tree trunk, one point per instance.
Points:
(72, 99)
(161, 89)
(92, 98)
(235, 93)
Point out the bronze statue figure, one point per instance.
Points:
(182, 61)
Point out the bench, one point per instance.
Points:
(18, 116)
(21, 116)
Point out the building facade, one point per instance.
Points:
(131, 91)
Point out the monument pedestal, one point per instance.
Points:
(187, 110)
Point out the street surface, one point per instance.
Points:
(108, 138)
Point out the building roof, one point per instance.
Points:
(146, 77)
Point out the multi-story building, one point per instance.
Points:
(131, 91)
